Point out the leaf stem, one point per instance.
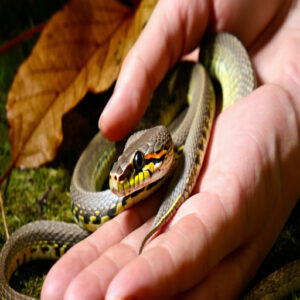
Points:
(23, 36)
(7, 172)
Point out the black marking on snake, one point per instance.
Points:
(197, 159)
(57, 252)
(32, 250)
(135, 172)
(153, 184)
(124, 200)
(132, 195)
(150, 173)
(97, 221)
(204, 133)
(201, 146)
(136, 193)
(18, 261)
(112, 212)
(86, 219)
(45, 249)
(103, 159)
(179, 150)
(67, 247)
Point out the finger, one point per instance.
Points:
(168, 35)
(92, 282)
(88, 250)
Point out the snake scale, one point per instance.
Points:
(143, 166)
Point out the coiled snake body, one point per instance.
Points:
(147, 157)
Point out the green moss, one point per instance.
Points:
(41, 193)
(31, 195)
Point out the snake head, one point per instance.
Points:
(147, 157)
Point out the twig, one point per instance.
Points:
(7, 172)
(43, 200)
(5, 176)
(4, 217)
(23, 36)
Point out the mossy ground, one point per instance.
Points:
(43, 193)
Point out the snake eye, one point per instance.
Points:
(138, 160)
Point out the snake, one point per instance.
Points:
(155, 154)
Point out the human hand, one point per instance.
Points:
(249, 182)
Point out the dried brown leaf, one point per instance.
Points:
(81, 49)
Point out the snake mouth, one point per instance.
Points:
(127, 185)
(116, 187)
(120, 184)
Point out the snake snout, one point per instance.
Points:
(120, 183)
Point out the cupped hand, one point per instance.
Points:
(248, 186)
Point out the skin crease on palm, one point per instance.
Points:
(248, 186)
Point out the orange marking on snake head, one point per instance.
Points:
(156, 155)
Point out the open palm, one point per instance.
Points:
(248, 186)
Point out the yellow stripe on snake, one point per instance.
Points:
(150, 157)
